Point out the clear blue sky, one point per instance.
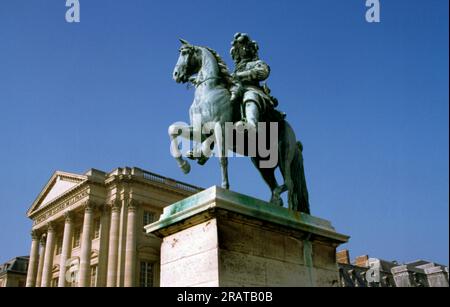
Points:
(369, 101)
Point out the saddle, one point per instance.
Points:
(274, 115)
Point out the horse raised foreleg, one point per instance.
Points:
(176, 131)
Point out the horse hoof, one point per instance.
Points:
(185, 167)
(190, 155)
(202, 160)
(277, 202)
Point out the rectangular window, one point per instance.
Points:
(94, 276)
(76, 237)
(59, 243)
(96, 228)
(149, 217)
(146, 274)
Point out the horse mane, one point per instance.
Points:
(224, 74)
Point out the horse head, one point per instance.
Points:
(188, 64)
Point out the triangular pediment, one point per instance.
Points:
(59, 184)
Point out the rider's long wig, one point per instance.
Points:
(244, 48)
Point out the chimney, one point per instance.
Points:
(343, 257)
(362, 261)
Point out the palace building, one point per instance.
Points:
(14, 272)
(88, 229)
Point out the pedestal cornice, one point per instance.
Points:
(201, 206)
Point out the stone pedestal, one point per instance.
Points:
(220, 238)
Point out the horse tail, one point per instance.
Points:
(299, 181)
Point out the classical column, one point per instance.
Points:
(103, 250)
(113, 245)
(48, 258)
(41, 261)
(122, 243)
(86, 244)
(130, 248)
(66, 248)
(32, 264)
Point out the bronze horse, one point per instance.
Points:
(206, 70)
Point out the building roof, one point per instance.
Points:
(422, 264)
(15, 265)
(63, 183)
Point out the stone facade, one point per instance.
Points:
(374, 272)
(88, 229)
(14, 272)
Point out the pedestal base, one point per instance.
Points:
(219, 238)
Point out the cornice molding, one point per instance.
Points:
(57, 207)
(119, 180)
(82, 190)
(55, 268)
(69, 178)
(75, 178)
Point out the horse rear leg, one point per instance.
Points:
(220, 142)
(287, 157)
(268, 174)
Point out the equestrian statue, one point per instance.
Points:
(239, 98)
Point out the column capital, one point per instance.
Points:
(50, 227)
(69, 216)
(89, 205)
(35, 235)
(132, 204)
(105, 208)
(114, 205)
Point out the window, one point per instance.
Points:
(149, 217)
(96, 228)
(94, 276)
(76, 237)
(73, 280)
(59, 243)
(21, 283)
(146, 275)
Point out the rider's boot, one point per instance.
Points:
(251, 117)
